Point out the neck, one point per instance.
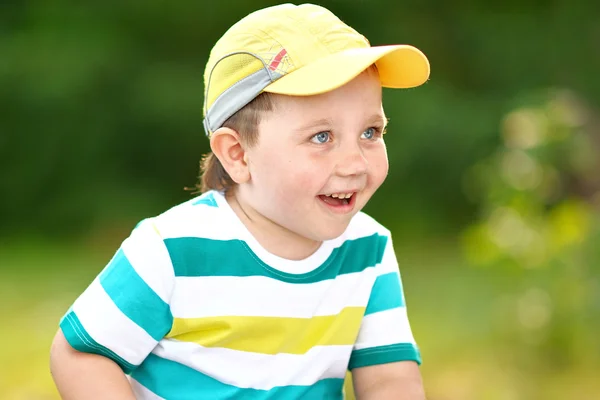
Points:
(273, 237)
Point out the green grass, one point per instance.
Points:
(464, 320)
(37, 284)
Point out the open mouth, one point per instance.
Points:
(338, 199)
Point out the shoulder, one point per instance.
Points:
(364, 239)
(201, 217)
(363, 225)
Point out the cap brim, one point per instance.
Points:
(399, 66)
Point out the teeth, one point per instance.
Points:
(340, 195)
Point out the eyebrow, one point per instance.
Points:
(324, 122)
(319, 123)
(379, 117)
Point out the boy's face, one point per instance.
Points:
(312, 147)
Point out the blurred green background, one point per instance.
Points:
(493, 195)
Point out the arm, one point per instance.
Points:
(86, 376)
(398, 381)
(385, 359)
(116, 322)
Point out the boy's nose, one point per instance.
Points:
(352, 162)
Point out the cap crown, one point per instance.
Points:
(264, 46)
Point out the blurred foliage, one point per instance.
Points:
(493, 195)
(539, 191)
(539, 197)
(101, 102)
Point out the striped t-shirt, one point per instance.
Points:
(192, 307)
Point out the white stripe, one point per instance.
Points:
(389, 263)
(364, 225)
(259, 371)
(197, 297)
(148, 255)
(108, 326)
(383, 328)
(187, 220)
(140, 391)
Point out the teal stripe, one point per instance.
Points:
(80, 340)
(386, 293)
(172, 380)
(206, 199)
(384, 355)
(132, 295)
(192, 256)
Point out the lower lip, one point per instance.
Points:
(341, 208)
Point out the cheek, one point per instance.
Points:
(298, 178)
(379, 166)
(310, 172)
(283, 178)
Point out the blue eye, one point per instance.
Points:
(321, 137)
(369, 133)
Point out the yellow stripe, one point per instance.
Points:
(270, 335)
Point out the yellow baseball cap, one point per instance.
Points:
(297, 50)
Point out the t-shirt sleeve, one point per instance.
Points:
(385, 335)
(125, 311)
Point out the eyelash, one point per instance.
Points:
(379, 132)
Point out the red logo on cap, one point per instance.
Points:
(277, 60)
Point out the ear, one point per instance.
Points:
(226, 145)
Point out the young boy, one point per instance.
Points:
(272, 284)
